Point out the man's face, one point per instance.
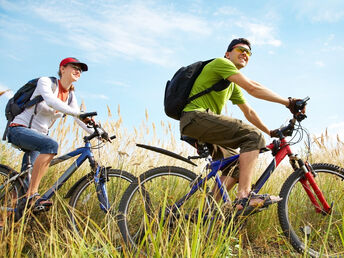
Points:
(239, 55)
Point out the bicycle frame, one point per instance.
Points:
(83, 153)
(283, 151)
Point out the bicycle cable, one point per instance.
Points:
(300, 132)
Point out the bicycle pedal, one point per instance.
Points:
(40, 208)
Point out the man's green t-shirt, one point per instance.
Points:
(220, 68)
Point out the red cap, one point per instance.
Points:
(72, 60)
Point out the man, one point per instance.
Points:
(202, 119)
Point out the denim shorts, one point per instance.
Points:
(32, 142)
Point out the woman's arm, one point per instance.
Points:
(44, 88)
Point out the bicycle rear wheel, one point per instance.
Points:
(92, 222)
(311, 232)
(147, 211)
(9, 193)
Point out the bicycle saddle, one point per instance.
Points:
(202, 148)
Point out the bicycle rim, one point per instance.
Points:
(150, 217)
(92, 223)
(9, 195)
(309, 231)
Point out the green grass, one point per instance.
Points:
(49, 235)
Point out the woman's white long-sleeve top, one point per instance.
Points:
(44, 115)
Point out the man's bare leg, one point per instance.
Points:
(228, 181)
(247, 164)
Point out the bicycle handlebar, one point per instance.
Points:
(98, 130)
(88, 114)
(288, 130)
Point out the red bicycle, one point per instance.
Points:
(311, 213)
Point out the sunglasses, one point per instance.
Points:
(243, 50)
(76, 67)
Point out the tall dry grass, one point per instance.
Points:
(48, 234)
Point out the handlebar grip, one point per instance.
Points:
(113, 137)
(300, 104)
(88, 114)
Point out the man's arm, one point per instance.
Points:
(256, 89)
(253, 118)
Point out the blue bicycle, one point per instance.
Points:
(93, 198)
(172, 199)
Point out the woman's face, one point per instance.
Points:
(71, 72)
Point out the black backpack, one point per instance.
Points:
(178, 89)
(21, 100)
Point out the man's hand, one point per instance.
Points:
(274, 133)
(294, 108)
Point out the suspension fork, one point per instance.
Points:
(100, 179)
(308, 183)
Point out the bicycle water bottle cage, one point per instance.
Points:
(202, 148)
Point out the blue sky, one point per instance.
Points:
(133, 47)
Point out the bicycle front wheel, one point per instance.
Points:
(89, 219)
(158, 207)
(9, 193)
(309, 231)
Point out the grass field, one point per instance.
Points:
(48, 234)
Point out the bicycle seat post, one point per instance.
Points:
(28, 167)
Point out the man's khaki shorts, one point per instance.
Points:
(225, 134)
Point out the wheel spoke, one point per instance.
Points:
(93, 223)
(309, 230)
(149, 213)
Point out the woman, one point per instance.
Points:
(29, 130)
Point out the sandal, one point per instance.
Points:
(250, 209)
(37, 203)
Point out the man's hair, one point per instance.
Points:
(238, 41)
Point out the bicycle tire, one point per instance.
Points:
(9, 194)
(88, 219)
(142, 205)
(308, 231)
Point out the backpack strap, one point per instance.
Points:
(6, 130)
(219, 86)
(70, 98)
(36, 100)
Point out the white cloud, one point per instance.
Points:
(337, 126)
(329, 11)
(332, 135)
(92, 96)
(331, 44)
(319, 64)
(144, 30)
(117, 84)
(259, 33)
(133, 30)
